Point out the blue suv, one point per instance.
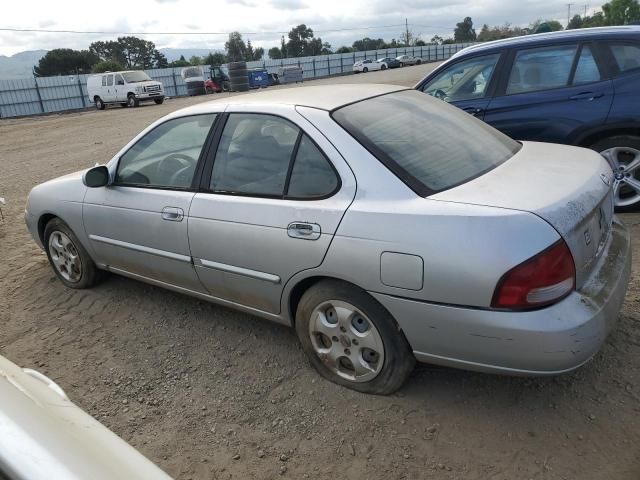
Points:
(577, 87)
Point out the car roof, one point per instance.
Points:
(323, 97)
(581, 34)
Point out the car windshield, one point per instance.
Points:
(428, 144)
(134, 77)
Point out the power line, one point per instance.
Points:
(99, 32)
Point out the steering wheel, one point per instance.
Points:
(441, 94)
(174, 165)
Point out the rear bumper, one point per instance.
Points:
(550, 341)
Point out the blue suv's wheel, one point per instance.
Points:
(623, 154)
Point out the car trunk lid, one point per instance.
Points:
(568, 187)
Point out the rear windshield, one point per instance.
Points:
(134, 77)
(429, 145)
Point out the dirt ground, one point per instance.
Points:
(209, 393)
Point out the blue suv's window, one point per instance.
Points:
(587, 69)
(464, 80)
(627, 56)
(541, 69)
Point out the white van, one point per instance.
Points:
(126, 88)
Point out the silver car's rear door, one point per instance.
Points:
(246, 240)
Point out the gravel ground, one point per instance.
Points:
(209, 393)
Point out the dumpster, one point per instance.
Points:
(290, 74)
(258, 78)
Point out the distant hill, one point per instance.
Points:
(19, 65)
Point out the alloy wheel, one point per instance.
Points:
(65, 256)
(346, 341)
(624, 162)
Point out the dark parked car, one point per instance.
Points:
(391, 62)
(577, 87)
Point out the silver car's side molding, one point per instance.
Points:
(141, 248)
(268, 277)
(274, 317)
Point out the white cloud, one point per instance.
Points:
(428, 17)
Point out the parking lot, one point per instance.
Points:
(210, 393)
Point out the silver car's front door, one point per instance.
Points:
(138, 225)
(247, 236)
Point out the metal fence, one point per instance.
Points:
(38, 95)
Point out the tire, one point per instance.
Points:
(132, 101)
(418, 62)
(383, 67)
(394, 362)
(81, 273)
(365, 70)
(159, 101)
(237, 66)
(628, 146)
(99, 103)
(123, 105)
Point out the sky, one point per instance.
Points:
(258, 20)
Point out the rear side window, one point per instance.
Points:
(265, 155)
(109, 80)
(428, 144)
(465, 80)
(627, 56)
(586, 69)
(104, 80)
(541, 69)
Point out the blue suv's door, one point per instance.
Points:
(467, 84)
(550, 93)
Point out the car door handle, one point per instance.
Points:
(475, 111)
(303, 230)
(588, 96)
(172, 214)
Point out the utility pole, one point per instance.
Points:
(569, 13)
(406, 25)
(586, 7)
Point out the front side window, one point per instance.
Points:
(255, 157)
(627, 56)
(541, 69)
(119, 80)
(166, 156)
(429, 145)
(587, 68)
(465, 80)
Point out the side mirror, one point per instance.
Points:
(96, 177)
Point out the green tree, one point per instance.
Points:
(464, 31)
(368, 44)
(235, 47)
(275, 53)
(621, 12)
(65, 61)
(345, 49)
(596, 20)
(252, 54)
(181, 62)
(543, 26)
(216, 58)
(195, 60)
(575, 22)
(302, 42)
(130, 52)
(159, 60)
(107, 66)
(437, 40)
(283, 47)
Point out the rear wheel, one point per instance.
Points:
(383, 67)
(623, 154)
(418, 62)
(68, 258)
(365, 70)
(99, 103)
(132, 101)
(351, 339)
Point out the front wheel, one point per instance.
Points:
(383, 67)
(132, 101)
(68, 258)
(159, 100)
(418, 62)
(623, 154)
(351, 339)
(365, 70)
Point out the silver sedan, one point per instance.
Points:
(384, 225)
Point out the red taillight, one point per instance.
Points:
(539, 281)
